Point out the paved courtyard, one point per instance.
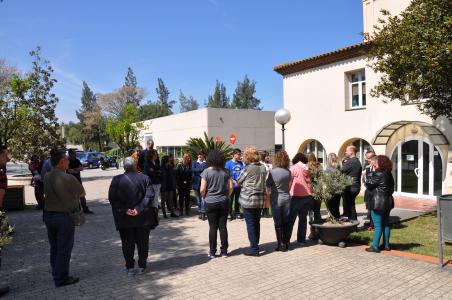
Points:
(179, 267)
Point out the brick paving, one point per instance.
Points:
(180, 269)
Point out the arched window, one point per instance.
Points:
(314, 146)
(362, 146)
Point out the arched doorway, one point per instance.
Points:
(316, 147)
(418, 168)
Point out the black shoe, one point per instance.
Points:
(173, 215)
(70, 280)
(165, 216)
(288, 247)
(383, 248)
(231, 217)
(252, 253)
(200, 216)
(88, 212)
(372, 249)
(4, 290)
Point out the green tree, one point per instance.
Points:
(163, 95)
(124, 130)
(219, 99)
(132, 94)
(74, 134)
(243, 97)
(412, 51)
(88, 100)
(187, 103)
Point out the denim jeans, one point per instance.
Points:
(281, 218)
(201, 203)
(381, 227)
(253, 227)
(217, 215)
(60, 231)
(300, 207)
(135, 236)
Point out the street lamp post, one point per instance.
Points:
(282, 116)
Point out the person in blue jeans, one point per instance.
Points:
(252, 196)
(235, 167)
(381, 184)
(62, 192)
(197, 168)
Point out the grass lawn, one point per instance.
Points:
(359, 200)
(418, 236)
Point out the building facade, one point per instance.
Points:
(334, 91)
(250, 128)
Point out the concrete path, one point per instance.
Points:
(180, 269)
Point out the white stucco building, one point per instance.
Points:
(250, 127)
(328, 97)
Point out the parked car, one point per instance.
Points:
(89, 159)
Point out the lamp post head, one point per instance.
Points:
(282, 116)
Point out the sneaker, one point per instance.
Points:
(129, 272)
(372, 249)
(252, 253)
(211, 255)
(224, 254)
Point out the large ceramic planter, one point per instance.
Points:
(334, 234)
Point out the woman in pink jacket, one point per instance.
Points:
(301, 196)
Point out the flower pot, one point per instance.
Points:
(333, 234)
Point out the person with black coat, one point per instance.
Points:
(184, 174)
(352, 167)
(168, 187)
(381, 185)
(134, 211)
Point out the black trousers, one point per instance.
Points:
(349, 196)
(235, 199)
(333, 205)
(184, 199)
(39, 194)
(135, 236)
(217, 215)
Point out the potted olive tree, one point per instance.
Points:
(332, 231)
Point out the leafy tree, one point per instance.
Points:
(219, 99)
(131, 89)
(124, 130)
(114, 103)
(207, 144)
(74, 134)
(187, 103)
(88, 100)
(163, 95)
(152, 110)
(244, 95)
(412, 51)
(27, 115)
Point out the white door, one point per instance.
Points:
(418, 169)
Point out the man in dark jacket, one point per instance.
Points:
(132, 200)
(352, 167)
(368, 169)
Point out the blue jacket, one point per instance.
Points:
(197, 169)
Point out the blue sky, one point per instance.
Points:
(188, 43)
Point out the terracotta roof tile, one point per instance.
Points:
(322, 59)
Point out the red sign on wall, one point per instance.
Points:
(232, 139)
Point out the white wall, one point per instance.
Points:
(372, 11)
(251, 127)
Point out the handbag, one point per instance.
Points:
(78, 216)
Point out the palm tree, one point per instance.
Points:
(207, 144)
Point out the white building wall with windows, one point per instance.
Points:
(328, 114)
(251, 128)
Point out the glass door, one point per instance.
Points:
(418, 169)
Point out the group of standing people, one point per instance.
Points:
(289, 185)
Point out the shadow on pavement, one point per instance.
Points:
(96, 258)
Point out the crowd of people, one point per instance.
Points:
(248, 187)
